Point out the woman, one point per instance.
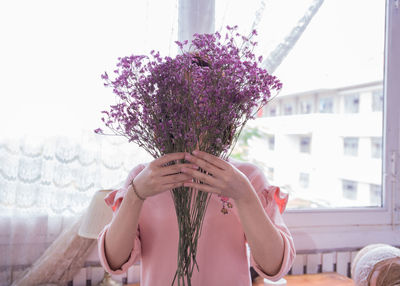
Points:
(144, 225)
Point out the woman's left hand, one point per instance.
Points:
(222, 177)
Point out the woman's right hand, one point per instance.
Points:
(156, 178)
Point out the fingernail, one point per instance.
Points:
(195, 167)
(195, 152)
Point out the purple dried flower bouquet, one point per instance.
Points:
(201, 99)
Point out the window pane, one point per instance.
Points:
(271, 142)
(375, 195)
(326, 105)
(351, 103)
(349, 189)
(350, 146)
(305, 144)
(376, 147)
(305, 107)
(304, 180)
(327, 119)
(377, 100)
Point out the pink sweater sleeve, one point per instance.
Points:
(274, 202)
(113, 200)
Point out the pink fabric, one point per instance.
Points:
(221, 255)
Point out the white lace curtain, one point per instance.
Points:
(52, 57)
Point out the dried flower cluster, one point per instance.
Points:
(200, 99)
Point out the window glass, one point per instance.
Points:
(377, 100)
(326, 105)
(338, 90)
(305, 107)
(349, 189)
(351, 103)
(350, 146)
(376, 147)
(305, 143)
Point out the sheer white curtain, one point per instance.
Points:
(51, 162)
(51, 95)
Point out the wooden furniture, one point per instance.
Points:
(326, 279)
(321, 279)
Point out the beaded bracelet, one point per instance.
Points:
(134, 189)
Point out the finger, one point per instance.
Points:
(174, 169)
(170, 157)
(202, 187)
(210, 158)
(175, 178)
(173, 186)
(207, 166)
(208, 179)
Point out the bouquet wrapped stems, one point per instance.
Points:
(190, 206)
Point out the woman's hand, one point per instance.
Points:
(223, 178)
(156, 178)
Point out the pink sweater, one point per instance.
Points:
(221, 251)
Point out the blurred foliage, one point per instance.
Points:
(241, 150)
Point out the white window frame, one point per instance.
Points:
(349, 227)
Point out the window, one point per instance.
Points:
(375, 195)
(317, 60)
(305, 144)
(304, 179)
(349, 189)
(326, 105)
(351, 103)
(377, 100)
(363, 65)
(350, 146)
(305, 107)
(287, 109)
(376, 147)
(271, 142)
(272, 111)
(270, 173)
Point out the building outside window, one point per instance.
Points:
(377, 100)
(352, 103)
(376, 147)
(305, 144)
(304, 180)
(350, 146)
(326, 105)
(349, 189)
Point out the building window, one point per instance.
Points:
(304, 180)
(375, 195)
(272, 111)
(326, 105)
(305, 143)
(271, 142)
(349, 189)
(350, 146)
(287, 109)
(270, 174)
(305, 107)
(376, 147)
(377, 100)
(351, 103)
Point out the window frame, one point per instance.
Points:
(350, 227)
